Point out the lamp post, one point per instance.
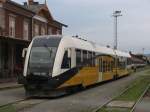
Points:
(116, 14)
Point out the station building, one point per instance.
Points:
(18, 25)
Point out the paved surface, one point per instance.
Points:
(9, 85)
(84, 101)
(143, 106)
(121, 104)
(27, 103)
(11, 95)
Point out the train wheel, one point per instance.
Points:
(115, 77)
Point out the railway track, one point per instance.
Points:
(34, 105)
(134, 106)
(143, 101)
(28, 102)
(98, 108)
(24, 103)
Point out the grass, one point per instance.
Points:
(148, 72)
(133, 93)
(8, 108)
(105, 109)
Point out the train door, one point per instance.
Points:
(100, 63)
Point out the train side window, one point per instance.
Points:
(108, 65)
(66, 61)
(100, 65)
(78, 57)
(93, 59)
(111, 65)
(104, 66)
(90, 58)
(85, 57)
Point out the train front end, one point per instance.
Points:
(38, 67)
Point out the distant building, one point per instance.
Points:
(148, 58)
(18, 25)
(140, 57)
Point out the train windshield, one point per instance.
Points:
(42, 56)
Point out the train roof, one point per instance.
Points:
(78, 43)
(123, 54)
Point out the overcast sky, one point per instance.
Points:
(92, 20)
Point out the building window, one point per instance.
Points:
(49, 31)
(12, 26)
(43, 32)
(26, 30)
(36, 31)
(58, 32)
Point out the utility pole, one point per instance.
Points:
(143, 49)
(116, 14)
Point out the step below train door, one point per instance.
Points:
(100, 63)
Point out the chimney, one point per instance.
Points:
(30, 2)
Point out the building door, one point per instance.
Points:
(18, 59)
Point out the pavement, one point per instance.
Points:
(121, 104)
(143, 106)
(9, 85)
(11, 95)
(11, 92)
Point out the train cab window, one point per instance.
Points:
(78, 57)
(66, 63)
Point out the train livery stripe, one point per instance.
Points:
(62, 78)
(85, 77)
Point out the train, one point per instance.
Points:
(57, 64)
